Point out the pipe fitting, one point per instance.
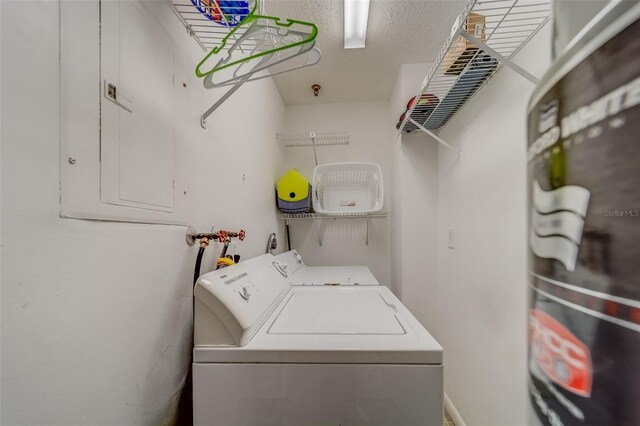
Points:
(204, 242)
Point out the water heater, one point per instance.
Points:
(583, 281)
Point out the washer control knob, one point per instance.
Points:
(298, 258)
(281, 268)
(244, 293)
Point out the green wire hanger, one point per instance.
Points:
(259, 63)
(301, 59)
(288, 34)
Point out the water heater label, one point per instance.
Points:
(557, 220)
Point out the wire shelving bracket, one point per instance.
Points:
(485, 36)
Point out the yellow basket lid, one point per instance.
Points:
(293, 186)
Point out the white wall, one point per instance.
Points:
(415, 206)
(96, 316)
(481, 283)
(370, 139)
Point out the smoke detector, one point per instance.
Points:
(316, 89)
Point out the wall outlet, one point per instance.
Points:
(451, 238)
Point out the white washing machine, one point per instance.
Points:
(302, 274)
(269, 353)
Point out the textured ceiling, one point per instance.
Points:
(399, 32)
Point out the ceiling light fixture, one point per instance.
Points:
(356, 15)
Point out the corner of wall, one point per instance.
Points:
(414, 224)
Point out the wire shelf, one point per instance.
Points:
(207, 32)
(372, 215)
(315, 216)
(463, 67)
(313, 139)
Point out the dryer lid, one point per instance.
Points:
(337, 312)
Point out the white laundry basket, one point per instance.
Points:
(347, 188)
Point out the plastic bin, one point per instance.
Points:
(347, 188)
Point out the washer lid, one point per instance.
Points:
(346, 324)
(337, 312)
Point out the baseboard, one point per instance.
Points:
(451, 409)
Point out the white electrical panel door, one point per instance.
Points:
(137, 145)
